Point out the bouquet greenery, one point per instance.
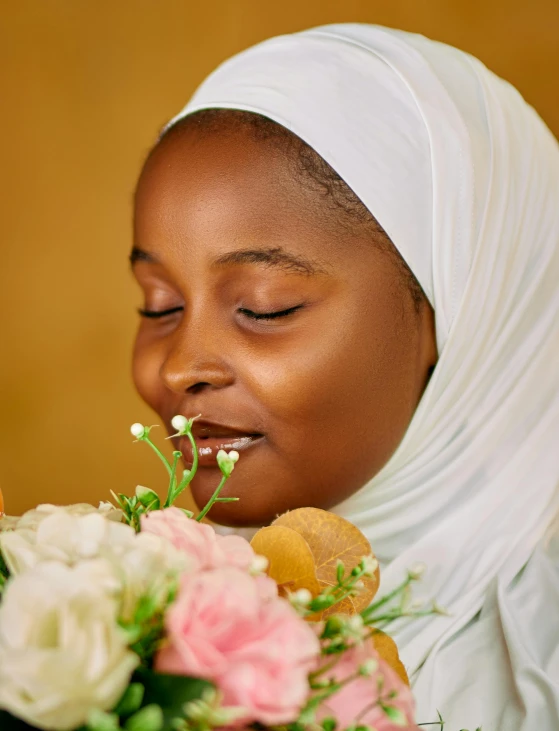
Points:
(139, 616)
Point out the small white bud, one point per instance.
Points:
(355, 623)
(369, 667)
(437, 609)
(370, 565)
(226, 462)
(417, 571)
(302, 597)
(179, 422)
(354, 627)
(137, 430)
(259, 565)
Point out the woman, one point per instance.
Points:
(348, 245)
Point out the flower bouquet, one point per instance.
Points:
(139, 616)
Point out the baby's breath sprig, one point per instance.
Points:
(345, 586)
(329, 686)
(397, 603)
(226, 464)
(146, 499)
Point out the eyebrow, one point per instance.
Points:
(138, 254)
(276, 258)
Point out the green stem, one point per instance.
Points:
(212, 500)
(159, 454)
(187, 479)
(393, 616)
(324, 669)
(172, 480)
(372, 608)
(327, 692)
(345, 588)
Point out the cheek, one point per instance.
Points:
(341, 394)
(332, 366)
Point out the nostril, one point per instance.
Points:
(197, 387)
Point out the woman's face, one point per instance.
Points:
(290, 334)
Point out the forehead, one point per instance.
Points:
(217, 189)
(192, 171)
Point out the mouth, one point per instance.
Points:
(210, 437)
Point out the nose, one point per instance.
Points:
(195, 360)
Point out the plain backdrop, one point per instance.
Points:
(85, 87)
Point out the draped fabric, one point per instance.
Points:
(464, 177)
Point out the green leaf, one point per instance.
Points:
(101, 721)
(170, 692)
(397, 716)
(329, 724)
(148, 497)
(146, 608)
(3, 568)
(131, 700)
(149, 718)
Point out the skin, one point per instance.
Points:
(332, 386)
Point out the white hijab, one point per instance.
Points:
(464, 177)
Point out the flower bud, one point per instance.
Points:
(369, 564)
(226, 461)
(333, 626)
(322, 601)
(138, 430)
(354, 627)
(180, 423)
(417, 571)
(369, 667)
(259, 565)
(300, 599)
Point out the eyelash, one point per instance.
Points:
(153, 314)
(269, 315)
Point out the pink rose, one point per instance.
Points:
(208, 549)
(359, 701)
(233, 629)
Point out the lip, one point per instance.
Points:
(210, 437)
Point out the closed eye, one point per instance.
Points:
(159, 313)
(268, 315)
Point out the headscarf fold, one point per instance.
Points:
(464, 177)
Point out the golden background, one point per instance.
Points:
(86, 85)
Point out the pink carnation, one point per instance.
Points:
(233, 629)
(359, 700)
(208, 549)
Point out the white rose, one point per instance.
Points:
(61, 536)
(8, 522)
(149, 569)
(33, 518)
(62, 653)
(143, 563)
